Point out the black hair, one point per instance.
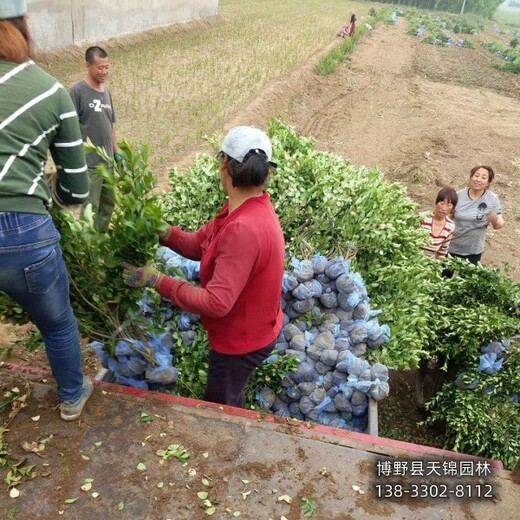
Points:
(353, 18)
(491, 173)
(449, 194)
(95, 52)
(252, 171)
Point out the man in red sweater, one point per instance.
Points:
(242, 261)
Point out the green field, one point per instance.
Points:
(508, 17)
(174, 86)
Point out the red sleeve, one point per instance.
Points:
(237, 251)
(184, 243)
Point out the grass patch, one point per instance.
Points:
(332, 60)
(186, 81)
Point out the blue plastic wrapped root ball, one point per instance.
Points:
(343, 344)
(335, 268)
(325, 340)
(319, 262)
(329, 299)
(318, 395)
(136, 365)
(188, 337)
(295, 412)
(489, 364)
(314, 287)
(329, 357)
(362, 311)
(289, 282)
(321, 368)
(298, 342)
(302, 292)
(184, 322)
(281, 347)
(298, 354)
(123, 348)
(326, 381)
(101, 354)
(303, 306)
(306, 405)
(358, 334)
(379, 390)
(306, 388)
(345, 284)
(359, 350)
(130, 381)
(290, 330)
(305, 373)
(314, 352)
(303, 269)
(342, 403)
(294, 393)
(266, 398)
(495, 347)
(164, 374)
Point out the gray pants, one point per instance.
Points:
(102, 199)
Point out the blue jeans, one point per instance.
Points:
(33, 273)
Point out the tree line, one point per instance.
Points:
(484, 8)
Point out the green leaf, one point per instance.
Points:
(145, 418)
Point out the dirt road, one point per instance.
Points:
(425, 115)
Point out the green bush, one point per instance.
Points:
(475, 307)
(484, 421)
(11, 312)
(101, 300)
(269, 375)
(510, 55)
(329, 206)
(192, 363)
(436, 29)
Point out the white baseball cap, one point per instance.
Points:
(12, 9)
(241, 140)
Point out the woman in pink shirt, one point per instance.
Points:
(242, 261)
(350, 29)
